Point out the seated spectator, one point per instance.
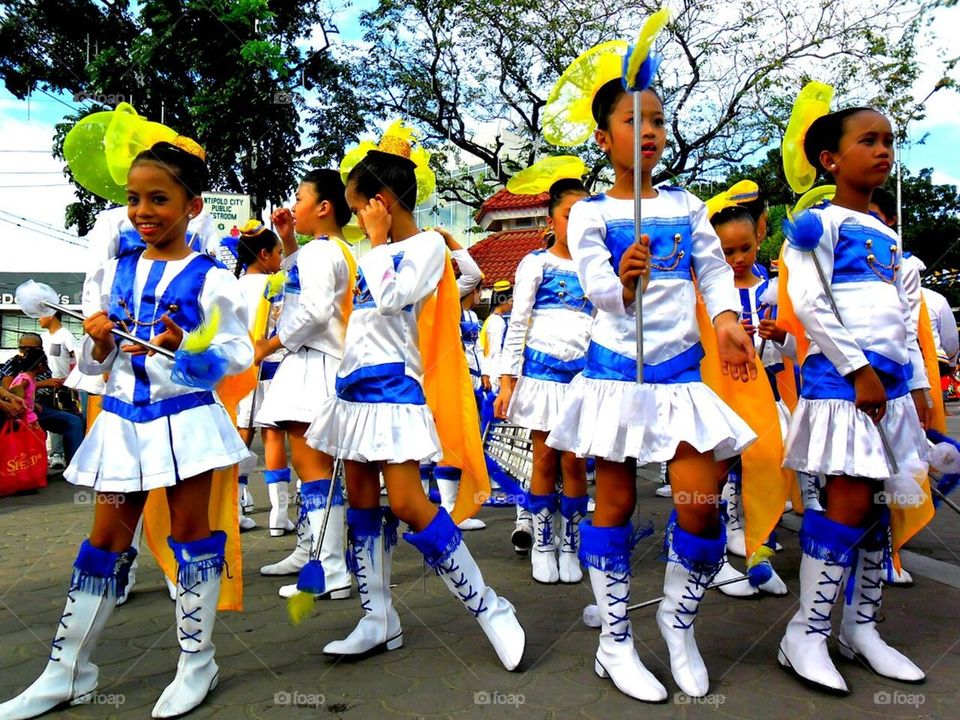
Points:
(49, 416)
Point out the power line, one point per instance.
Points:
(37, 222)
(31, 172)
(17, 187)
(41, 232)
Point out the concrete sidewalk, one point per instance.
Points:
(446, 668)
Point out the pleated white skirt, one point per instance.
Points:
(614, 420)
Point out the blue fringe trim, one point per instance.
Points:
(199, 560)
(313, 494)
(438, 540)
(877, 536)
(536, 503)
(573, 506)
(828, 540)
(391, 524)
(101, 572)
(446, 472)
(700, 555)
(271, 477)
(426, 471)
(607, 548)
(363, 527)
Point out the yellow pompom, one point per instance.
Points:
(812, 102)
(764, 552)
(201, 338)
(275, 283)
(300, 606)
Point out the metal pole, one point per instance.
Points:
(637, 217)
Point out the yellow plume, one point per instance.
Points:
(201, 338)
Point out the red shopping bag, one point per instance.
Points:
(23, 457)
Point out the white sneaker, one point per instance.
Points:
(56, 460)
(664, 491)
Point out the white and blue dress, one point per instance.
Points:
(379, 411)
(153, 432)
(861, 257)
(603, 414)
(546, 340)
(311, 327)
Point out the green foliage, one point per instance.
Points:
(475, 74)
(229, 73)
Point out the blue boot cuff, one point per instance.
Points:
(536, 503)
(313, 494)
(438, 540)
(271, 477)
(571, 506)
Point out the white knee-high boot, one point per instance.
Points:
(70, 677)
(444, 550)
(372, 535)
(731, 494)
(199, 568)
(543, 554)
(858, 630)
(278, 483)
(572, 512)
(692, 562)
(829, 548)
(448, 485)
(313, 498)
(606, 553)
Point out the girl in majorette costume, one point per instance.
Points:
(161, 426)
(311, 327)
(259, 254)
(468, 282)
(673, 416)
(493, 334)
(544, 349)
(739, 235)
(379, 420)
(862, 369)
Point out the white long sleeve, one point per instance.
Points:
(918, 380)
(586, 232)
(490, 362)
(395, 285)
(321, 271)
(469, 270)
(812, 306)
(527, 281)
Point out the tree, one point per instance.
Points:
(458, 68)
(228, 73)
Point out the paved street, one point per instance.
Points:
(270, 669)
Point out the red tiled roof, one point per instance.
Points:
(505, 200)
(499, 254)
